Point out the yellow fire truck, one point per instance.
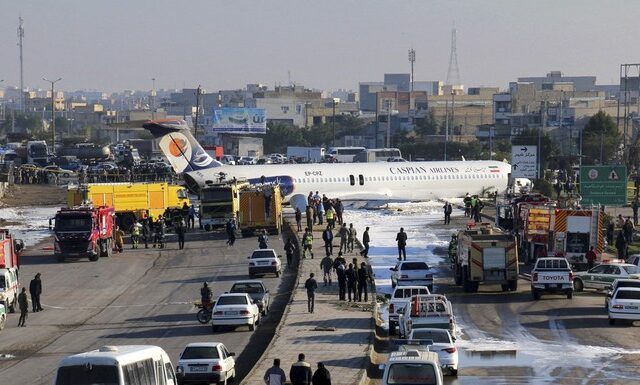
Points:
(260, 209)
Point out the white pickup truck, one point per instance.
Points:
(551, 275)
(427, 311)
(399, 299)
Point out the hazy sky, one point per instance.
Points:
(121, 44)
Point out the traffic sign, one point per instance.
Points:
(524, 161)
(603, 185)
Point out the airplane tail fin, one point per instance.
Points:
(180, 147)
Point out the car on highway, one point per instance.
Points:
(617, 284)
(206, 362)
(234, 309)
(412, 365)
(400, 297)
(443, 344)
(601, 276)
(625, 305)
(264, 261)
(406, 273)
(256, 290)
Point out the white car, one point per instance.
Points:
(412, 273)
(399, 299)
(59, 171)
(443, 345)
(264, 261)
(228, 159)
(245, 160)
(625, 305)
(235, 309)
(617, 284)
(206, 362)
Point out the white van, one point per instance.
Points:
(412, 366)
(9, 288)
(121, 365)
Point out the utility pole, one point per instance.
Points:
(53, 112)
(446, 127)
(20, 36)
(195, 131)
(333, 122)
(412, 59)
(153, 99)
(539, 150)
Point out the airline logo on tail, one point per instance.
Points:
(180, 147)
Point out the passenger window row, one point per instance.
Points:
(392, 178)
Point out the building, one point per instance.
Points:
(288, 104)
(581, 83)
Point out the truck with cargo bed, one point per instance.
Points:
(551, 275)
(427, 311)
(260, 209)
(131, 201)
(485, 255)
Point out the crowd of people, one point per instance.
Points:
(299, 374)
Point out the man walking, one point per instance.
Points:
(289, 248)
(300, 372)
(401, 238)
(192, 217)
(326, 265)
(352, 234)
(275, 375)
(309, 214)
(363, 281)
(35, 289)
(321, 376)
(344, 237)
(231, 232)
(311, 285)
(327, 237)
(365, 243)
(23, 304)
(307, 243)
(342, 279)
(591, 257)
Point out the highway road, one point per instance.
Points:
(141, 296)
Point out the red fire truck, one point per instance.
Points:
(84, 231)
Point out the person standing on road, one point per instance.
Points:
(146, 232)
(591, 258)
(351, 237)
(300, 372)
(135, 235)
(311, 285)
(231, 232)
(627, 228)
(401, 238)
(275, 375)
(299, 218)
(447, 212)
(339, 210)
(119, 234)
(344, 237)
(180, 230)
(365, 243)
(326, 265)
(321, 376)
(352, 280)
(309, 214)
(35, 289)
(307, 243)
(192, 217)
(327, 237)
(289, 248)
(621, 245)
(363, 281)
(263, 240)
(342, 279)
(23, 304)
(635, 205)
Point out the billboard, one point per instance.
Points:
(239, 120)
(524, 161)
(604, 185)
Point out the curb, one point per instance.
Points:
(276, 332)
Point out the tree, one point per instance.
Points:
(529, 137)
(427, 125)
(600, 139)
(279, 136)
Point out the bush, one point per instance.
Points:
(543, 187)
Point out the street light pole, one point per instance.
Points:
(53, 112)
(153, 99)
(389, 103)
(333, 122)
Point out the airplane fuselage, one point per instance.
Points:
(390, 181)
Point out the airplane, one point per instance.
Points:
(379, 181)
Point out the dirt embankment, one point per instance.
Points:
(34, 195)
